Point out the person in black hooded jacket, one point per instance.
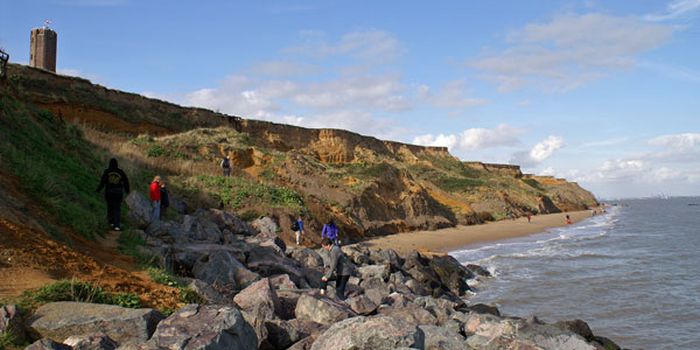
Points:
(116, 184)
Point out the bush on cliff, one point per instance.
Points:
(75, 290)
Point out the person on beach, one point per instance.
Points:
(529, 217)
(226, 166)
(340, 268)
(568, 220)
(298, 228)
(154, 191)
(116, 184)
(330, 231)
(164, 200)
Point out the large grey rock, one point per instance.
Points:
(370, 333)
(267, 262)
(11, 322)
(288, 303)
(227, 221)
(223, 271)
(197, 227)
(410, 313)
(362, 304)
(266, 227)
(386, 256)
(205, 327)
(206, 291)
(61, 320)
(91, 342)
(451, 273)
(359, 254)
(440, 338)
(306, 257)
(321, 310)
(374, 271)
(139, 209)
(282, 334)
(47, 344)
(282, 282)
(478, 270)
(259, 303)
(186, 255)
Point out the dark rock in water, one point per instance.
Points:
(484, 309)
(451, 273)
(47, 344)
(321, 309)
(478, 270)
(223, 271)
(12, 323)
(370, 333)
(577, 326)
(606, 343)
(91, 342)
(442, 338)
(205, 327)
(61, 320)
(306, 257)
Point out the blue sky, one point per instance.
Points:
(605, 93)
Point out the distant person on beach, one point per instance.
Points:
(154, 191)
(226, 166)
(164, 199)
(529, 217)
(330, 231)
(298, 228)
(568, 220)
(116, 184)
(340, 268)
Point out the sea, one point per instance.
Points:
(632, 273)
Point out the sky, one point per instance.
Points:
(604, 93)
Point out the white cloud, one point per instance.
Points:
(674, 10)
(284, 68)
(539, 152)
(454, 95)
(571, 50)
(369, 45)
(677, 142)
(473, 139)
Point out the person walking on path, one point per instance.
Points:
(226, 166)
(116, 184)
(340, 268)
(298, 228)
(330, 231)
(154, 191)
(164, 199)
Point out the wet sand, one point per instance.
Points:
(454, 238)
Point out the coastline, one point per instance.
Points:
(454, 238)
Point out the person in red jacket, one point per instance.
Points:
(155, 199)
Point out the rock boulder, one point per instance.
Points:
(321, 310)
(370, 333)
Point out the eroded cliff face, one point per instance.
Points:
(370, 186)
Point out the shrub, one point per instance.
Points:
(161, 276)
(75, 290)
(155, 151)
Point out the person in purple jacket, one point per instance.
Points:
(330, 231)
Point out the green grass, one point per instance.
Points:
(76, 290)
(534, 184)
(162, 276)
(454, 184)
(54, 163)
(237, 192)
(129, 243)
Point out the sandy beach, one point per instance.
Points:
(449, 239)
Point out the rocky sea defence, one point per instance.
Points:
(257, 293)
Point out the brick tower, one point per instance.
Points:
(42, 52)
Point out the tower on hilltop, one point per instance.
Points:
(42, 51)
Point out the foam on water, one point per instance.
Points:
(631, 273)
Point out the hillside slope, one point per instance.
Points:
(369, 186)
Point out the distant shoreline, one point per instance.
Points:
(455, 238)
